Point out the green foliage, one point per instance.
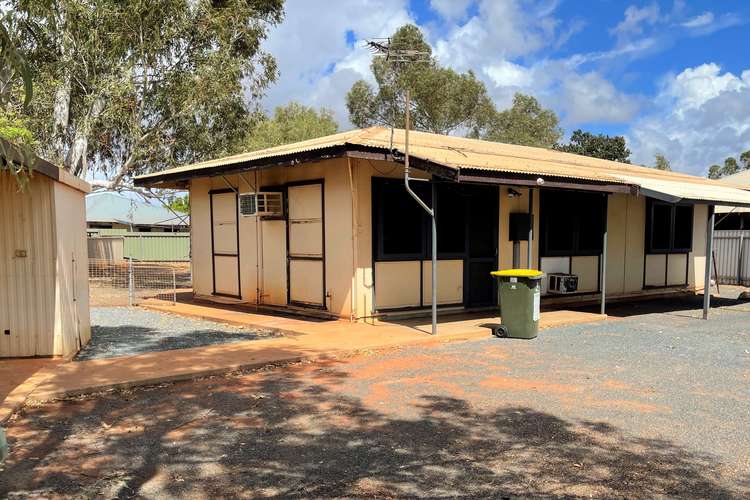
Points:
(180, 204)
(661, 163)
(526, 122)
(714, 172)
(730, 167)
(13, 64)
(291, 123)
(745, 160)
(443, 100)
(15, 129)
(128, 87)
(597, 146)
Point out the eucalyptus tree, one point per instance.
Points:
(123, 87)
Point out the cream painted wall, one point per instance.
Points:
(348, 241)
(263, 247)
(698, 255)
(518, 204)
(44, 289)
(72, 320)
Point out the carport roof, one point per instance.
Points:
(471, 160)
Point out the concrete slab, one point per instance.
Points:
(303, 339)
(18, 378)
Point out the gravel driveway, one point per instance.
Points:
(124, 331)
(650, 405)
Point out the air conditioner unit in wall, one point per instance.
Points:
(562, 283)
(262, 204)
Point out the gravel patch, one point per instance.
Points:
(125, 331)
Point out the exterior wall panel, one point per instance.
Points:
(72, 323)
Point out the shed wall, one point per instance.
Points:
(27, 284)
(72, 319)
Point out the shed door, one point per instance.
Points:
(305, 245)
(225, 243)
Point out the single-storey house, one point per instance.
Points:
(44, 288)
(107, 210)
(327, 224)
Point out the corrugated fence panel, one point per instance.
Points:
(27, 267)
(157, 247)
(732, 250)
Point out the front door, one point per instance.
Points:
(225, 243)
(305, 245)
(481, 260)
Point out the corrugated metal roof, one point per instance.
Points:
(462, 154)
(112, 207)
(740, 179)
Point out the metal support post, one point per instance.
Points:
(174, 287)
(130, 282)
(529, 246)
(709, 253)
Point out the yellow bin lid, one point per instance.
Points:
(518, 273)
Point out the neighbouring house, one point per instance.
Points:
(734, 218)
(327, 224)
(44, 288)
(107, 211)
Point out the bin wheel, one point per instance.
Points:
(500, 331)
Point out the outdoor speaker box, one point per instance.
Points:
(518, 228)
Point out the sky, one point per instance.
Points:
(671, 76)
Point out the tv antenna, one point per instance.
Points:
(383, 47)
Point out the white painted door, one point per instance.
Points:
(225, 243)
(306, 247)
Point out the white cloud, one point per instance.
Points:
(700, 119)
(451, 10)
(507, 74)
(699, 21)
(316, 64)
(637, 19)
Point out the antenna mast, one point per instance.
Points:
(384, 48)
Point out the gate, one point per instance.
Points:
(732, 253)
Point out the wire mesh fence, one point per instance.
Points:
(128, 282)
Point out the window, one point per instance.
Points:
(572, 223)
(669, 228)
(399, 220)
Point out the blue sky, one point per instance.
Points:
(672, 76)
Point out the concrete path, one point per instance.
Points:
(303, 340)
(18, 378)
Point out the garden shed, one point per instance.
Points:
(44, 295)
(328, 225)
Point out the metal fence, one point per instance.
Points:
(732, 254)
(151, 247)
(128, 282)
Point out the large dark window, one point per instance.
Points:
(669, 228)
(572, 223)
(399, 220)
(403, 229)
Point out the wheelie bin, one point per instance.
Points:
(520, 292)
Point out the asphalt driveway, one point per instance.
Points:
(653, 404)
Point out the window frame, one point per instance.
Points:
(378, 184)
(575, 227)
(651, 204)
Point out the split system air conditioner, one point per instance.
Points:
(562, 283)
(268, 203)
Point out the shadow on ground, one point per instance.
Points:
(294, 433)
(672, 305)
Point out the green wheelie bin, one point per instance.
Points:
(520, 292)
